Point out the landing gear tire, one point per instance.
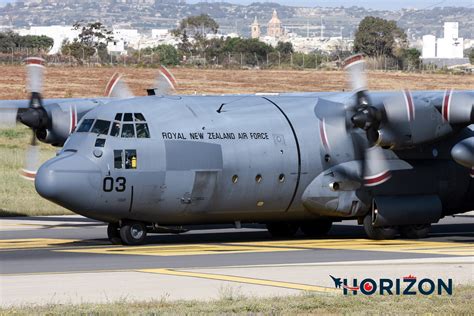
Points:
(318, 228)
(113, 232)
(282, 230)
(379, 233)
(415, 231)
(133, 233)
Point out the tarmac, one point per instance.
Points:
(68, 260)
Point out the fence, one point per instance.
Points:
(272, 60)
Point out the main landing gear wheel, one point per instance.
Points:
(113, 232)
(388, 232)
(282, 230)
(415, 231)
(133, 233)
(318, 228)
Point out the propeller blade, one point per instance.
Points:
(355, 70)
(35, 76)
(376, 170)
(165, 82)
(31, 160)
(117, 88)
(8, 118)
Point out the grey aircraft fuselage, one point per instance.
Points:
(260, 158)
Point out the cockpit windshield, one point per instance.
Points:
(125, 125)
(101, 127)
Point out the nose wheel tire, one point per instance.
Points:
(415, 231)
(316, 228)
(379, 233)
(113, 232)
(133, 233)
(282, 230)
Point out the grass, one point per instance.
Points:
(18, 196)
(460, 303)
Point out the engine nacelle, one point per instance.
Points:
(463, 152)
(62, 120)
(406, 210)
(409, 121)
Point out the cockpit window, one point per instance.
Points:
(101, 127)
(142, 130)
(115, 130)
(128, 131)
(85, 126)
(128, 117)
(136, 126)
(139, 117)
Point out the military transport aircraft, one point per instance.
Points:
(395, 161)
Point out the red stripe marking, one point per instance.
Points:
(29, 175)
(168, 75)
(322, 133)
(352, 59)
(446, 101)
(35, 61)
(73, 118)
(370, 181)
(113, 80)
(411, 108)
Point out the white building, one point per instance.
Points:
(451, 46)
(429, 46)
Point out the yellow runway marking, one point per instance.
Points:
(6, 244)
(239, 279)
(411, 246)
(181, 250)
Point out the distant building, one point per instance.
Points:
(445, 51)
(255, 29)
(274, 28)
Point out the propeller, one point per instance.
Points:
(368, 118)
(165, 83)
(117, 88)
(35, 117)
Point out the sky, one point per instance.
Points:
(373, 4)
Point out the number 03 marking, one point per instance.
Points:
(108, 184)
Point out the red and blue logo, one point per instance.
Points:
(407, 285)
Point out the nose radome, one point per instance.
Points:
(67, 179)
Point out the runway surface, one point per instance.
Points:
(68, 259)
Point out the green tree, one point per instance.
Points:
(379, 37)
(167, 54)
(93, 34)
(196, 27)
(93, 39)
(411, 59)
(471, 56)
(11, 40)
(285, 48)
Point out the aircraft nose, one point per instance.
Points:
(69, 180)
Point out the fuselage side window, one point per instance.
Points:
(128, 131)
(118, 161)
(142, 130)
(115, 130)
(85, 126)
(130, 159)
(101, 127)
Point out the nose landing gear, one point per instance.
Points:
(130, 233)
